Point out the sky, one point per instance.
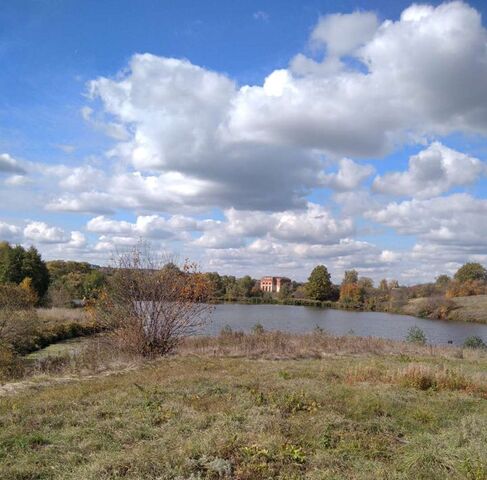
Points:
(256, 137)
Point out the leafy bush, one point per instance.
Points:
(474, 342)
(416, 335)
(10, 364)
(467, 288)
(471, 271)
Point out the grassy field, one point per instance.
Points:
(256, 407)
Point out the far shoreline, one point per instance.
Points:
(298, 302)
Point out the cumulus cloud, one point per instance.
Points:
(178, 113)
(8, 231)
(458, 219)
(17, 180)
(112, 129)
(342, 34)
(82, 178)
(431, 172)
(9, 164)
(147, 226)
(42, 233)
(349, 176)
(258, 147)
(315, 225)
(84, 202)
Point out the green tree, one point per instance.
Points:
(16, 264)
(442, 281)
(12, 266)
(216, 282)
(284, 291)
(366, 282)
(319, 286)
(244, 286)
(35, 268)
(351, 276)
(59, 268)
(471, 271)
(93, 282)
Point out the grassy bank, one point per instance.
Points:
(463, 309)
(256, 407)
(54, 325)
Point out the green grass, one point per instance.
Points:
(345, 416)
(66, 347)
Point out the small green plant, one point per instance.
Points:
(284, 374)
(294, 453)
(327, 440)
(474, 342)
(258, 329)
(416, 335)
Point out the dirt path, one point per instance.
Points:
(36, 383)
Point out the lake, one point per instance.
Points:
(339, 322)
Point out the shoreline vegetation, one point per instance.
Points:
(250, 406)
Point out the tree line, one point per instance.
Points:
(62, 283)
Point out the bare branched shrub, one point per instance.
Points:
(151, 303)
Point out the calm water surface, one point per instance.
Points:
(339, 322)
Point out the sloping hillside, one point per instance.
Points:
(470, 309)
(464, 309)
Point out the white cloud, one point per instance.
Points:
(342, 34)
(431, 172)
(84, 202)
(77, 240)
(257, 147)
(315, 225)
(17, 180)
(349, 176)
(82, 178)
(112, 129)
(145, 226)
(9, 164)
(458, 219)
(8, 231)
(43, 233)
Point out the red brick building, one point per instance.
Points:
(273, 284)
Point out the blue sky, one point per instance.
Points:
(254, 137)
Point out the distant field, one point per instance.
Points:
(56, 315)
(331, 408)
